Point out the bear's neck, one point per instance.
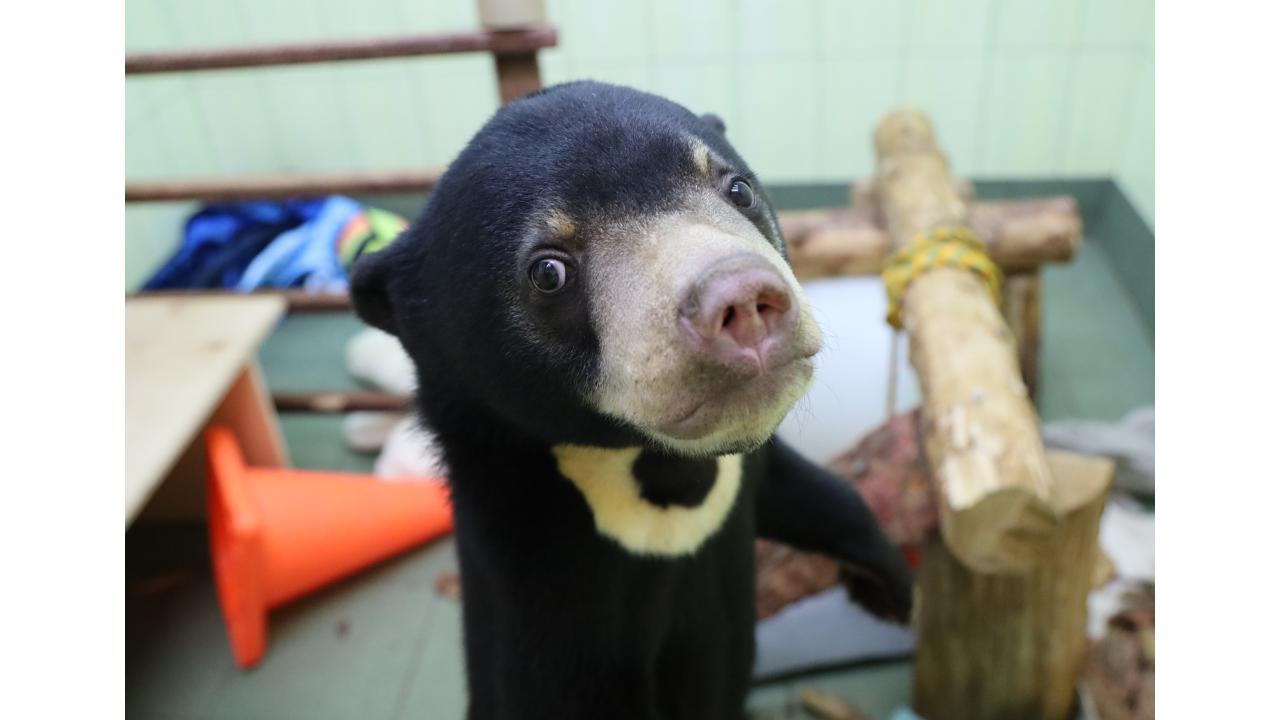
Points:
(651, 502)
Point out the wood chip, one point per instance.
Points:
(826, 706)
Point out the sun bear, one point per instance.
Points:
(598, 297)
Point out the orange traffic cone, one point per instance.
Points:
(277, 534)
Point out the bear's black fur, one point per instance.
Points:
(560, 621)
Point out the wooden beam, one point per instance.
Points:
(981, 432)
(499, 42)
(267, 187)
(1020, 235)
(244, 409)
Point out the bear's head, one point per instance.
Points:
(598, 267)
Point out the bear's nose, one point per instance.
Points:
(738, 312)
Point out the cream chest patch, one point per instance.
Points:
(604, 477)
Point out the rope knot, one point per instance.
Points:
(944, 246)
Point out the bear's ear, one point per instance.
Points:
(714, 121)
(369, 292)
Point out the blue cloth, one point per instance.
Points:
(306, 255)
(221, 240)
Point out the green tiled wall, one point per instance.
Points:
(1018, 88)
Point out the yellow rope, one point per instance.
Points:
(942, 247)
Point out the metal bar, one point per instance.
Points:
(518, 75)
(281, 186)
(299, 301)
(340, 402)
(498, 42)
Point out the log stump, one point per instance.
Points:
(1011, 645)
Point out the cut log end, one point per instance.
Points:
(906, 130)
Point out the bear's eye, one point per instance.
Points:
(740, 192)
(548, 275)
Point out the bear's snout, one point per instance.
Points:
(739, 313)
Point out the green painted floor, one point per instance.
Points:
(384, 645)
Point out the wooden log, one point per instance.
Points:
(499, 42)
(1023, 234)
(268, 187)
(834, 243)
(1012, 645)
(863, 193)
(981, 432)
(1020, 305)
(1020, 235)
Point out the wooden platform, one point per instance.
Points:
(187, 361)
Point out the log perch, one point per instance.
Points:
(1003, 587)
(981, 432)
(1020, 235)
